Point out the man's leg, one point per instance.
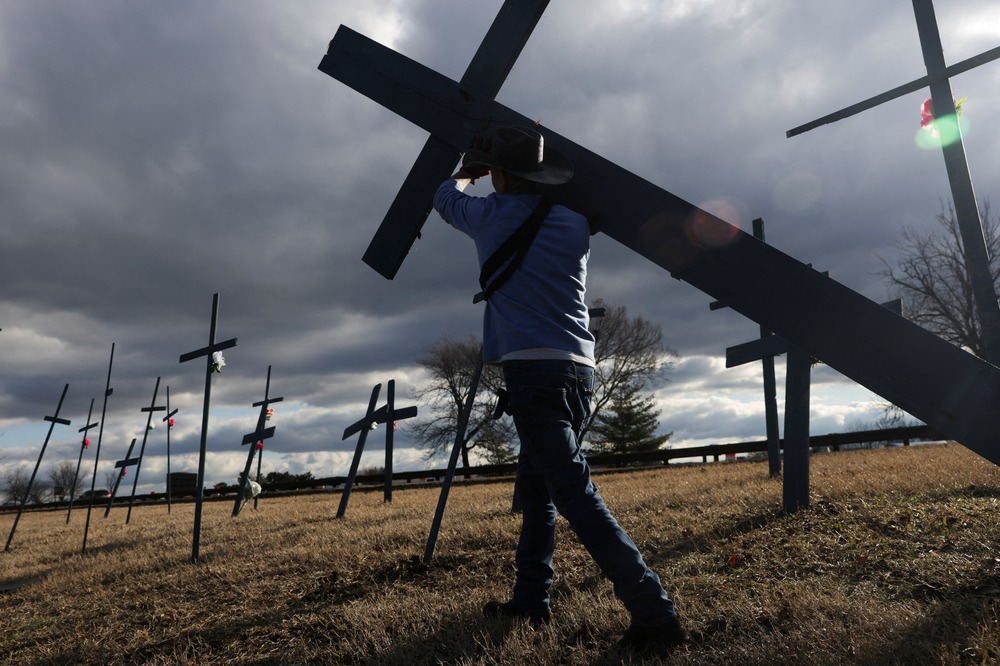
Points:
(535, 545)
(549, 401)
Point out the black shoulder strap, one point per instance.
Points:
(511, 252)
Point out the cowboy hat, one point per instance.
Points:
(521, 151)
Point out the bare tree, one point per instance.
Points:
(931, 278)
(451, 364)
(15, 484)
(629, 351)
(63, 477)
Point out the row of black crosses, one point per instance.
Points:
(387, 414)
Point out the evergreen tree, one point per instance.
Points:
(628, 424)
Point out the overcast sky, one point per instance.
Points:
(154, 154)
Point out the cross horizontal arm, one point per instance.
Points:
(755, 350)
(253, 437)
(128, 462)
(266, 401)
(381, 415)
(898, 91)
(56, 419)
(205, 351)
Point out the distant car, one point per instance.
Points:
(99, 494)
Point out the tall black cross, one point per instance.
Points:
(53, 420)
(121, 465)
(942, 385)
(938, 78)
(168, 419)
(84, 445)
(97, 454)
(153, 407)
(207, 352)
(256, 440)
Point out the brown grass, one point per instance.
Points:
(895, 563)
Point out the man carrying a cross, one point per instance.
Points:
(533, 257)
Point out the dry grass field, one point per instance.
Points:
(895, 563)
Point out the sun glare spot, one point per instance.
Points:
(944, 132)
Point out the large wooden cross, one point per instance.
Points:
(944, 386)
(970, 225)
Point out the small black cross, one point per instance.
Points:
(84, 445)
(254, 438)
(153, 407)
(128, 461)
(27, 491)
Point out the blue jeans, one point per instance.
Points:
(550, 401)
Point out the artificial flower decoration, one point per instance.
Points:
(927, 115)
(218, 361)
(170, 423)
(86, 443)
(373, 425)
(260, 446)
(269, 414)
(151, 425)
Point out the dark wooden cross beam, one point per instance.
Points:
(97, 454)
(166, 420)
(153, 407)
(256, 440)
(53, 420)
(121, 465)
(976, 254)
(207, 353)
(84, 445)
(938, 383)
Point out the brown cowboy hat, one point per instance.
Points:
(521, 151)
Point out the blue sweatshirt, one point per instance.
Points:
(539, 313)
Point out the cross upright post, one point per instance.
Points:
(84, 445)
(168, 420)
(207, 353)
(53, 420)
(463, 425)
(97, 454)
(938, 79)
(256, 440)
(142, 449)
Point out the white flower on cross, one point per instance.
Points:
(218, 361)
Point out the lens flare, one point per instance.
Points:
(705, 226)
(944, 131)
